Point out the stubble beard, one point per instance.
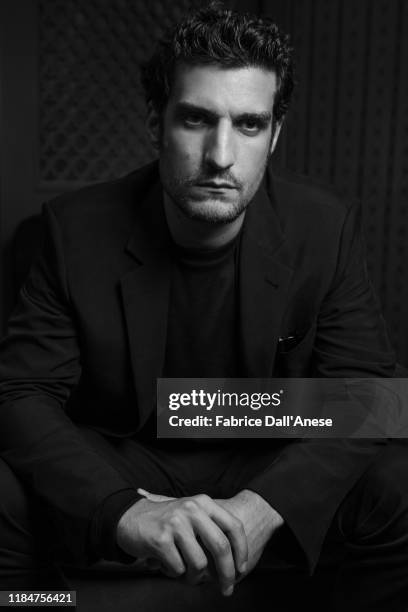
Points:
(209, 210)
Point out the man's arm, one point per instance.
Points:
(351, 339)
(310, 478)
(39, 366)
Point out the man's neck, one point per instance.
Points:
(195, 234)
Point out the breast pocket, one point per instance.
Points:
(294, 359)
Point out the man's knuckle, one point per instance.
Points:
(222, 547)
(203, 498)
(175, 521)
(162, 539)
(190, 506)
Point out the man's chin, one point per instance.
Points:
(211, 212)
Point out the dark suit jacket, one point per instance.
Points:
(86, 341)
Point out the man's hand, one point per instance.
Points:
(260, 522)
(179, 532)
(259, 519)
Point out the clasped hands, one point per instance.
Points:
(198, 537)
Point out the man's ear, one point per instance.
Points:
(153, 125)
(274, 141)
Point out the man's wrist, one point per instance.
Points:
(126, 522)
(258, 504)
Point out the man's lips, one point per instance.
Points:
(215, 185)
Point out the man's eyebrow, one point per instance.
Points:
(263, 118)
(187, 107)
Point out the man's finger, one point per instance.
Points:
(193, 556)
(219, 547)
(232, 527)
(171, 560)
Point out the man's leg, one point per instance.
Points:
(24, 545)
(373, 524)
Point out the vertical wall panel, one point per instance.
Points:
(376, 122)
(323, 89)
(348, 125)
(350, 96)
(396, 255)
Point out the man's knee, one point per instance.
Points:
(379, 502)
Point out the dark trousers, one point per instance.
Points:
(367, 544)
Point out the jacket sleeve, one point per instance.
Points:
(310, 478)
(39, 367)
(351, 337)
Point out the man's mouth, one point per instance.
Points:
(216, 185)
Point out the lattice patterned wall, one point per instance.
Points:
(349, 124)
(92, 110)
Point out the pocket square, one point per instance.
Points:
(287, 343)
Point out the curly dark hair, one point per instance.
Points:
(216, 35)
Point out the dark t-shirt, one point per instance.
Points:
(201, 332)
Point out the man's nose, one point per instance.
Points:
(219, 150)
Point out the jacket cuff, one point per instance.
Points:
(286, 508)
(102, 540)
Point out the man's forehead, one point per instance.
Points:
(216, 88)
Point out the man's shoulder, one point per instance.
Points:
(114, 199)
(299, 197)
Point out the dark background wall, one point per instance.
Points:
(349, 125)
(72, 112)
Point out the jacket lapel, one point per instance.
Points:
(264, 278)
(145, 293)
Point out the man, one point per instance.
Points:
(197, 267)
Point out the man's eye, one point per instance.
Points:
(250, 127)
(194, 120)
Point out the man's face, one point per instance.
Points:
(216, 138)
